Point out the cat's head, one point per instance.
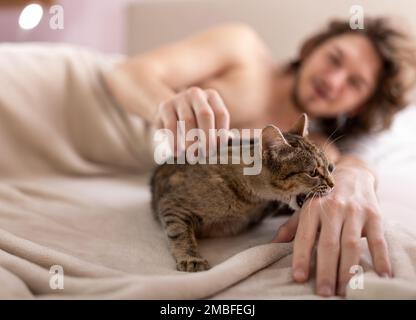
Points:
(296, 168)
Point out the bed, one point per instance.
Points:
(75, 219)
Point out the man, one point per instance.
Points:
(349, 81)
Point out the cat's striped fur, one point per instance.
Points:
(212, 200)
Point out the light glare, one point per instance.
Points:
(30, 16)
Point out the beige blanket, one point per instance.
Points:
(74, 198)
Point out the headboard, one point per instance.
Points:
(282, 23)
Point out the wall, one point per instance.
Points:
(102, 24)
(283, 24)
(97, 24)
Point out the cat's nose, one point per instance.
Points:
(330, 182)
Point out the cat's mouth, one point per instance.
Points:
(300, 199)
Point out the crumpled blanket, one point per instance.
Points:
(75, 219)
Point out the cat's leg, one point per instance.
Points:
(180, 231)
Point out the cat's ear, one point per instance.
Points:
(271, 136)
(300, 128)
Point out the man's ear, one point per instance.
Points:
(300, 128)
(271, 136)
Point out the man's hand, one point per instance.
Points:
(203, 109)
(348, 213)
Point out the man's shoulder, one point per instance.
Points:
(243, 38)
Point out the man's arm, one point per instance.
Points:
(142, 83)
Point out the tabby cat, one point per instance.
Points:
(212, 200)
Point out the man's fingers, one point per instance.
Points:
(186, 114)
(222, 116)
(304, 242)
(168, 120)
(199, 109)
(287, 231)
(378, 246)
(350, 252)
(328, 253)
(204, 116)
(159, 124)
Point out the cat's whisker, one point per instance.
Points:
(306, 198)
(323, 204)
(323, 210)
(342, 166)
(307, 195)
(329, 138)
(310, 203)
(361, 144)
(333, 141)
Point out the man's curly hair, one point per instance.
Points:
(398, 75)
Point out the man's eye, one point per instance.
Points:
(355, 84)
(334, 60)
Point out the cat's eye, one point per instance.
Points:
(314, 173)
(330, 167)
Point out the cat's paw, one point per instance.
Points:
(192, 264)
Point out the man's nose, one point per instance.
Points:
(336, 82)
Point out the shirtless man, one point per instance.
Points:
(225, 77)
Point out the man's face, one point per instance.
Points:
(338, 76)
